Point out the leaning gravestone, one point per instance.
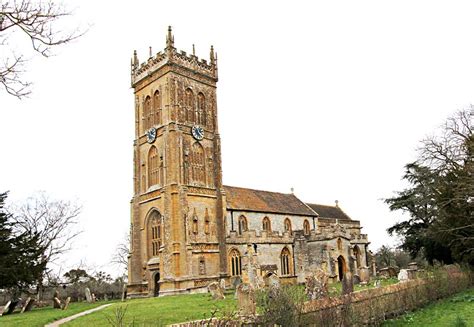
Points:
(28, 305)
(56, 303)
(9, 307)
(347, 284)
(246, 299)
(216, 291)
(87, 291)
(403, 275)
(66, 303)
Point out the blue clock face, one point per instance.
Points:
(151, 135)
(198, 132)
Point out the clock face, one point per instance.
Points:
(198, 132)
(151, 135)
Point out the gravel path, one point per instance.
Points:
(77, 315)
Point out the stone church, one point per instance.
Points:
(187, 228)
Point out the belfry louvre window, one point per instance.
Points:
(156, 113)
(198, 175)
(202, 119)
(235, 263)
(153, 166)
(285, 262)
(147, 114)
(189, 102)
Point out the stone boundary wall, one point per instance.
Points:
(368, 307)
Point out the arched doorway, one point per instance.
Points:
(341, 266)
(157, 284)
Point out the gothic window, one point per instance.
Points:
(156, 108)
(154, 233)
(306, 227)
(266, 225)
(287, 225)
(202, 266)
(235, 261)
(202, 119)
(242, 224)
(153, 168)
(189, 103)
(198, 175)
(195, 223)
(147, 123)
(285, 258)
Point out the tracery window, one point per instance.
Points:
(285, 258)
(154, 233)
(287, 225)
(202, 119)
(242, 224)
(198, 175)
(235, 263)
(306, 227)
(153, 166)
(266, 225)
(156, 114)
(189, 103)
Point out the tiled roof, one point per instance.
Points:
(239, 198)
(329, 211)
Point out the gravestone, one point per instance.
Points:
(273, 281)
(66, 303)
(87, 291)
(364, 274)
(413, 266)
(106, 298)
(246, 299)
(28, 305)
(377, 283)
(216, 291)
(347, 284)
(222, 284)
(316, 286)
(56, 303)
(403, 275)
(9, 307)
(93, 297)
(356, 280)
(235, 281)
(411, 274)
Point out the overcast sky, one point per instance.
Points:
(328, 97)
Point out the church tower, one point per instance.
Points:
(177, 225)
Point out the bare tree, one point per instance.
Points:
(36, 22)
(122, 251)
(54, 221)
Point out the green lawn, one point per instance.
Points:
(335, 289)
(42, 316)
(456, 311)
(161, 310)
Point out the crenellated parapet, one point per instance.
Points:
(171, 56)
(259, 237)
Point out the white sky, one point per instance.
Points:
(328, 97)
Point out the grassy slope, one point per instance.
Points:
(160, 310)
(447, 312)
(42, 316)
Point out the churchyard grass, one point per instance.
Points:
(335, 289)
(160, 311)
(46, 315)
(456, 311)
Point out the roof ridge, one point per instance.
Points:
(253, 189)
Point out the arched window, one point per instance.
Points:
(189, 103)
(157, 108)
(153, 168)
(287, 225)
(202, 119)
(195, 223)
(147, 113)
(235, 263)
(266, 225)
(154, 233)
(285, 258)
(242, 224)
(198, 175)
(339, 244)
(306, 227)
